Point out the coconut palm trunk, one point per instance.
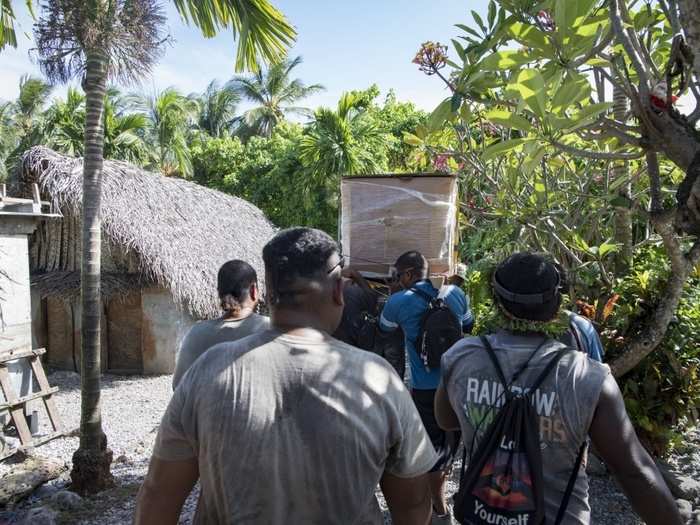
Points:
(91, 462)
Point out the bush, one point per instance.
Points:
(662, 393)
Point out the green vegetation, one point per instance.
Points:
(549, 161)
(290, 170)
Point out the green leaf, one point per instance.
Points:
(442, 113)
(607, 248)
(469, 30)
(492, 13)
(593, 110)
(529, 36)
(460, 50)
(508, 60)
(598, 62)
(529, 84)
(479, 21)
(561, 18)
(574, 89)
(456, 102)
(504, 147)
(508, 119)
(410, 138)
(583, 7)
(533, 161)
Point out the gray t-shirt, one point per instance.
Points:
(565, 402)
(291, 429)
(205, 334)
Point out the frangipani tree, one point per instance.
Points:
(532, 94)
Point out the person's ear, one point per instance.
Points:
(253, 291)
(338, 293)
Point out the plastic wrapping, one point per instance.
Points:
(385, 216)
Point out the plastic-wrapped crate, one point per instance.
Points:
(385, 216)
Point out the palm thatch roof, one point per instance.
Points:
(160, 230)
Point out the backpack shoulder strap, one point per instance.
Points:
(494, 360)
(425, 295)
(570, 484)
(548, 369)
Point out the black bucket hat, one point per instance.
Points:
(528, 287)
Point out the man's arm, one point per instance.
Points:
(444, 413)
(408, 499)
(388, 320)
(614, 438)
(356, 277)
(164, 491)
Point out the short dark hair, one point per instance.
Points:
(233, 283)
(412, 260)
(528, 274)
(296, 253)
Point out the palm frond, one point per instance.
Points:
(262, 32)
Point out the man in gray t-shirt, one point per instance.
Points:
(578, 399)
(291, 425)
(237, 284)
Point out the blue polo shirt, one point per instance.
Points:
(406, 308)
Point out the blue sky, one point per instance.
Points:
(345, 45)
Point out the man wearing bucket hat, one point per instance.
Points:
(577, 400)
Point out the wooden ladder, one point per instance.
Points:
(17, 405)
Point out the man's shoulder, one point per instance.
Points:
(451, 289)
(368, 366)
(462, 349)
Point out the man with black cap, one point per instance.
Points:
(578, 400)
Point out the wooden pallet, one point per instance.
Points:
(17, 405)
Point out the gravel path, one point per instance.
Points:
(132, 407)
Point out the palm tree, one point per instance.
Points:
(94, 40)
(217, 109)
(125, 131)
(27, 117)
(33, 95)
(65, 124)
(343, 141)
(274, 94)
(170, 115)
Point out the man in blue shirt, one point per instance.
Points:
(405, 310)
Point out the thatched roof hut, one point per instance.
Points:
(163, 241)
(158, 229)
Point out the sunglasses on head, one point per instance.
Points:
(340, 263)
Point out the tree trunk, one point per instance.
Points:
(681, 265)
(91, 462)
(690, 20)
(623, 212)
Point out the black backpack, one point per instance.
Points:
(439, 330)
(504, 482)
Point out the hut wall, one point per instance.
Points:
(124, 326)
(164, 326)
(63, 326)
(62, 332)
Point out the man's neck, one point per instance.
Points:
(297, 322)
(245, 311)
